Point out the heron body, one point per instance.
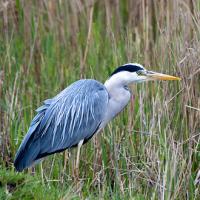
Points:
(78, 112)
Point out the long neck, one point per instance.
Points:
(119, 97)
(116, 89)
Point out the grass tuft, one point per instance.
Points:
(151, 150)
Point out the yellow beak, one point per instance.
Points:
(158, 76)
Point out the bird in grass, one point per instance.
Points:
(81, 110)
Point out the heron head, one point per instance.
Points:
(135, 73)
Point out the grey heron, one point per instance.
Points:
(78, 112)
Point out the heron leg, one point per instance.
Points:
(78, 158)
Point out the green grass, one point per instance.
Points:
(151, 150)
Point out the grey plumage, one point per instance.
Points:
(73, 116)
(59, 123)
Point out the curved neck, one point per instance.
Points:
(117, 90)
(119, 96)
(115, 83)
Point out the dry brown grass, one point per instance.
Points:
(152, 150)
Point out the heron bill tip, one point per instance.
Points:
(159, 76)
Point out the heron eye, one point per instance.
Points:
(141, 73)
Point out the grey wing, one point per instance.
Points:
(73, 115)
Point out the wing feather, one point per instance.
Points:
(72, 115)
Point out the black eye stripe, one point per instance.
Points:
(129, 68)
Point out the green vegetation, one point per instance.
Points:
(151, 150)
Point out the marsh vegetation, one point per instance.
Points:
(151, 150)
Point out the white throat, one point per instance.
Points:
(119, 96)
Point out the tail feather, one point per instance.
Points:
(28, 150)
(30, 146)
